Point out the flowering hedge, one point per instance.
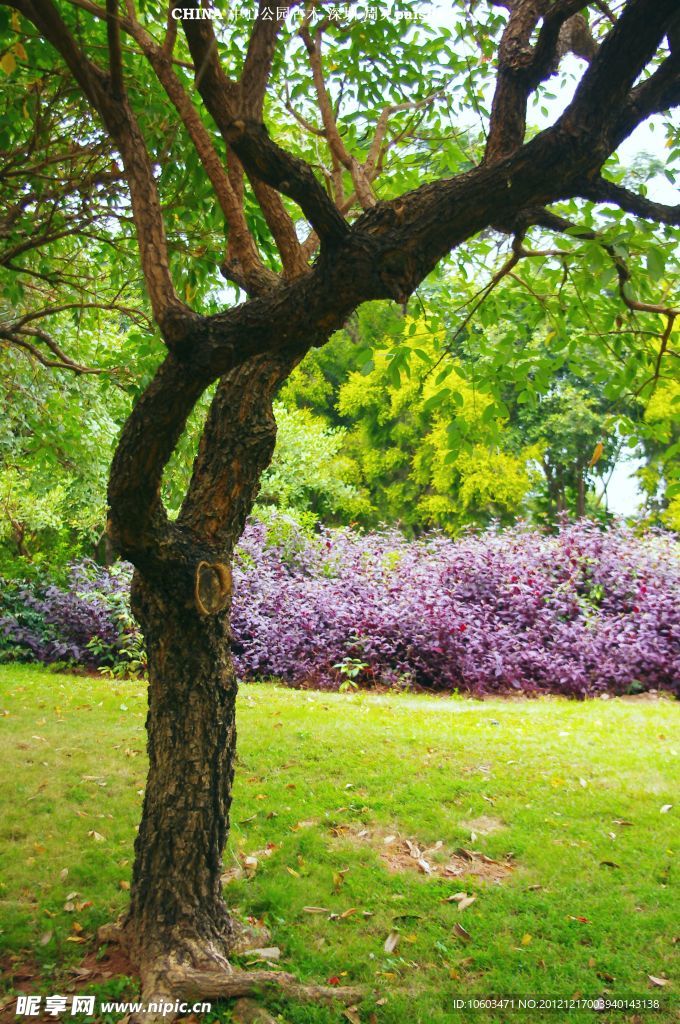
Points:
(576, 613)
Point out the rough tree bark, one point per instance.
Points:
(178, 928)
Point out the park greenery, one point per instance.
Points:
(564, 797)
(322, 334)
(579, 613)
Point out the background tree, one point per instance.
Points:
(159, 135)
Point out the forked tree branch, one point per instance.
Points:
(522, 67)
(259, 154)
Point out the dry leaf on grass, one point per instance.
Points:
(266, 953)
(391, 942)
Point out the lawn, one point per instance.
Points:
(552, 814)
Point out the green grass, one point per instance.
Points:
(553, 775)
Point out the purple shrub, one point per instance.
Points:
(576, 613)
(85, 625)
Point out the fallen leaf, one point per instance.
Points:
(76, 927)
(348, 913)
(125, 886)
(465, 854)
(293, 872)
(461, 932)
(424, 866)
(45, 938)
(97, 836)
(609, 864)
(467, 902)
(63, 874)
(583, 783)
(455, 898)
(622, 821)
(526, 939)
(659, 982)
(665, 809)
(250, 865)
(334, 980)
(351, 1014)
(413, 850)
(389, 839)
(339, 878)
(69, 907)
(267, 953)
(391, 942)
(316, 910)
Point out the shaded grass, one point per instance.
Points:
(557, 776)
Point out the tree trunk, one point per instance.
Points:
(580, 492)
(177, 923)
(176, 898)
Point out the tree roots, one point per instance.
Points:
(196, 972)
(205, 983)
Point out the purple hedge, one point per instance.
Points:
(577, 613)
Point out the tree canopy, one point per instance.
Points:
(193, 198)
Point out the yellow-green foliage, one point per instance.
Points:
(402, 443)
(663, 407)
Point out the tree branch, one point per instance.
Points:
(261, 157)
(522, 67)
(607, 83)
(115, 52)
(236, 447)
(603, 191)
(338, 149)
(242, 264)
(170, 314)
(62, 362)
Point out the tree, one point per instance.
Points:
(302, 144)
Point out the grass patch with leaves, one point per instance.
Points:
(569, 799)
